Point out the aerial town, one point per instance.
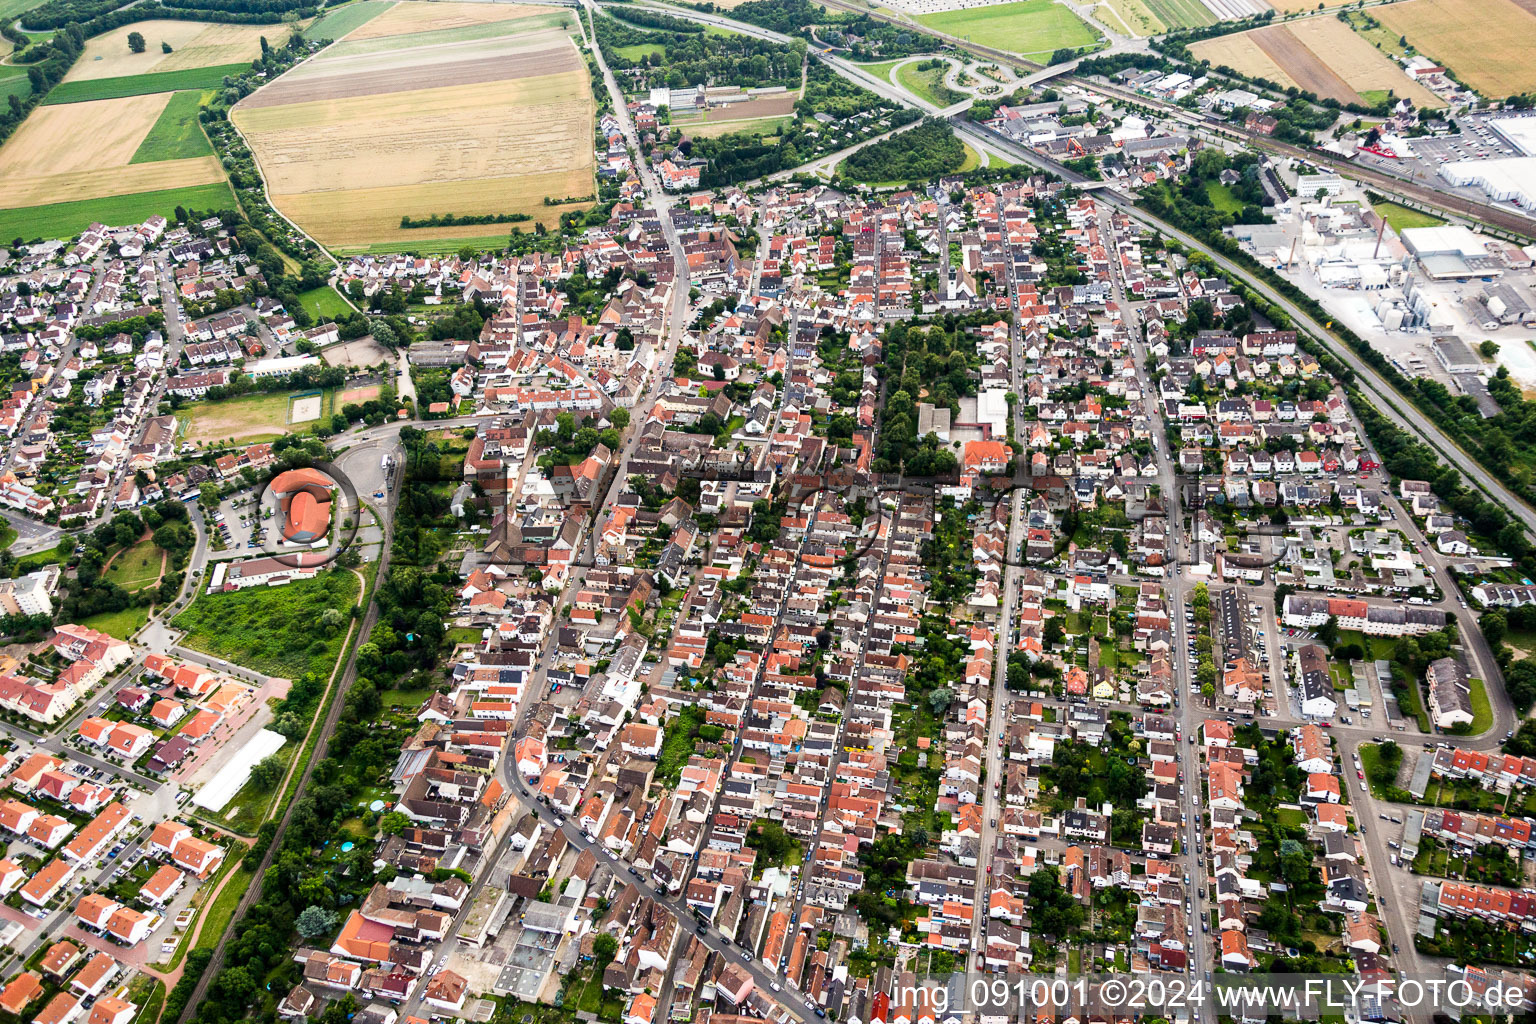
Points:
(1070, 520)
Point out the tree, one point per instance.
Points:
(136, 42)
(313, 921)
(770, 840)
(165, 47)
(939, 699)
(604, 948)
(393, 823)
(267, 772)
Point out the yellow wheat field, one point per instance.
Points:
(1488, 43)
(194, 44)
(413, 16)
(1240, 53)
(363, 215)
(68, 137)
(76, 151)
(109, 181)
(1356, 61)
(347, 167)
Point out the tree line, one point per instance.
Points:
(449, 220)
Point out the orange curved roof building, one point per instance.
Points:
(308, 518)
(300, 479)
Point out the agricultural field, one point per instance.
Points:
(1136, 15)
(452, 120)
(1302, 6)
(410, 17)
(1486, 42)
(1239, 52)
(141, 85)
(1322, 55)
(64, 220)
(139, 144)
(248, 419)
(337, 23)
(9, 10)
(1361, 65)
(176, 135)
(13, 82)
(1181, 13)
(194, 44)
(1030, 28)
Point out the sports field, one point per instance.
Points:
(478, 124)
(1488, 43)
(323, 303)
(248, 419)
(1030, 28)
(194, 44)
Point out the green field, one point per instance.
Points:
(342, 20)
(1222, 198)
(882, 70)
(1182, 13)
(1402, 217)
(141, 85)
(1029, 28)
(248, 419)
(274, 630)
(928, 84)
(1482, 711)
(64, 220)
(136, 567)
(324, 303)
(640, 51)
(121, 624)
(176, 135)
(14, 82)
